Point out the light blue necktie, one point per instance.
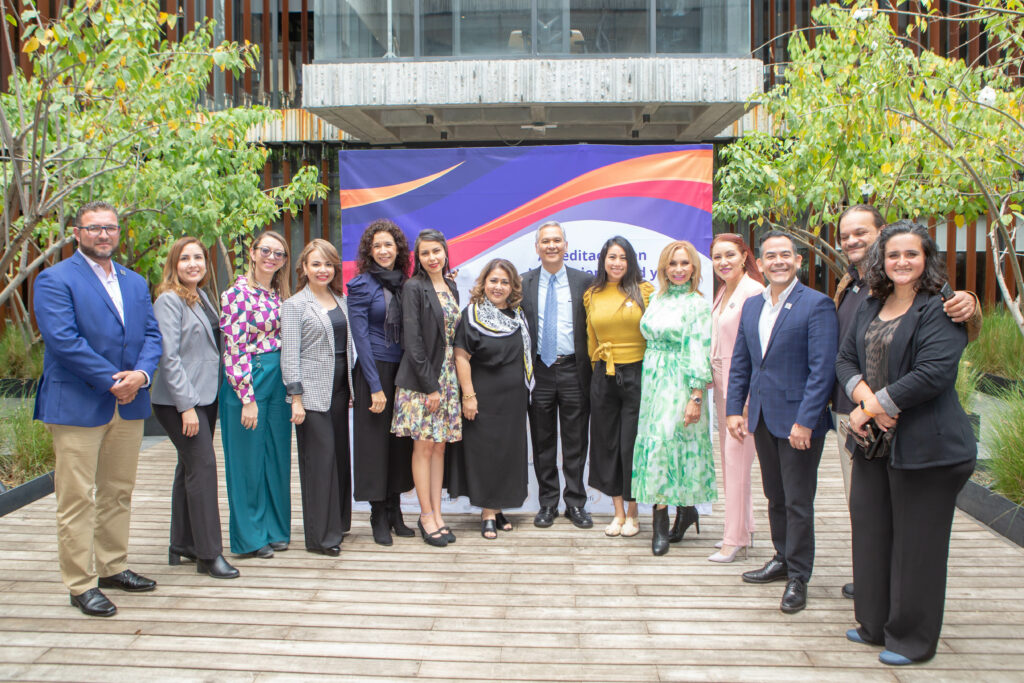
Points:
(549, 335)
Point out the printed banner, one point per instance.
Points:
(489, 202)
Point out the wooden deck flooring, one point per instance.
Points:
(558, 604)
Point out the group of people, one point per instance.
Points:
(441, 398)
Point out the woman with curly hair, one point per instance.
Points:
(495, 369)
(381, 460)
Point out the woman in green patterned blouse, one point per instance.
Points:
(672, 460)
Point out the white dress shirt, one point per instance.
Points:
(770, 313)
(109, 282)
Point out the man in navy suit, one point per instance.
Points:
(102, 348)
(784, 360)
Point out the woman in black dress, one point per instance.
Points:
(494, 364)
(381, 461)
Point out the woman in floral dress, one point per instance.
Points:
(672, 460)
(427, 395)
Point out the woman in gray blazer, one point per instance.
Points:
(316, 348)
(184, 397)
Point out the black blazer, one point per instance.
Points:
(933, 429)
(578, 283)
(422, 335)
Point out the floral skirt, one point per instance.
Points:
(443, 425)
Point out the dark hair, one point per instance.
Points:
(364, 259)
(476, 295)
(775, 233)
(429, 235)
(329, 253)
(89, 207)
(931, 279)
(170, 282)
(876, 215)
(630, 282)
(749, 260)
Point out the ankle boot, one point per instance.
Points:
(218, 568)
(685, 516)
(379, 523)
(659, 539)
(395, 521)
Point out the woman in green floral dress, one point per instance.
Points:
(672, 460)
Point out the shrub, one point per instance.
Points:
(1004, 440)
(967, 378)
(999, 349)
(19, 357)
(26, 447)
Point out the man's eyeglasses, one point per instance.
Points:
(267, 252)
(95, 230)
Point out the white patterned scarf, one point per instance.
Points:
(489, 320)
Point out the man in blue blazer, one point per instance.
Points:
(784, 361)
(102, 348)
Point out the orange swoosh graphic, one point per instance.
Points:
(692, 165)
(353, 198)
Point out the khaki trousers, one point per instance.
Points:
(94, 479)
(845, 457)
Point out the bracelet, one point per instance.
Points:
(865, 411)
(468, 396)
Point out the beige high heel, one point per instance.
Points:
(723, 557)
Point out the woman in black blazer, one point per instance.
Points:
(184, 397)
(899, 365)
(427, 395)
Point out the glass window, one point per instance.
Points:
(436, 28)
(493, 28)
(359, 29)
(609, 27)
(719, 27)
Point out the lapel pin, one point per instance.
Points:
(788, 306)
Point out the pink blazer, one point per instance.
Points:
(725, 325)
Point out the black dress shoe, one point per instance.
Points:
(174, 555)
(848, 590)
(94, 603)
(263, 553)
(773, 570)
(279, 546)
(579, 517)
(128, 581)
(545, 517)
(794, 598)
(217, 568)
(332, 551)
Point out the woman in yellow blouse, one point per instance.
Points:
(614, 304)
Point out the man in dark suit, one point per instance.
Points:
(784, 360)
(553, 302)
(102, 348)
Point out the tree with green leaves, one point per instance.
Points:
(110, 109)
(856, 120)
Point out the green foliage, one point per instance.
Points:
(1004, 441)
(109, 109)
(26, 447)
(967, 378)
(19, 357)
(999, 348)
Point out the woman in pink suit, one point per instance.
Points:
(740, 279)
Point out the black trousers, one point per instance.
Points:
(789, 478)
(382, 462)
(558, 399)
(901, 526)
(195, 515)
(614, 416)
(324, 470)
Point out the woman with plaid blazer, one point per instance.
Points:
(316, 348)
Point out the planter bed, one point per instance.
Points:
(26, 493)
(17, 388)
(993, 385)
(1001, 514)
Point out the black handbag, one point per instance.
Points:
(877, 444)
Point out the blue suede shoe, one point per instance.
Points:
(854, 637)
(893, 659)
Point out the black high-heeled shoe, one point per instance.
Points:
(395, 521)
(217, 568)
(685, 517)
(435, 538)
(174, 555)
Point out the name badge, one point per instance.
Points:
(788, 306)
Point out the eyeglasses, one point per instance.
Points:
(95, 230)
(267, 252)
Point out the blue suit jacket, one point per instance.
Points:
(86, 343)
(793, 381)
